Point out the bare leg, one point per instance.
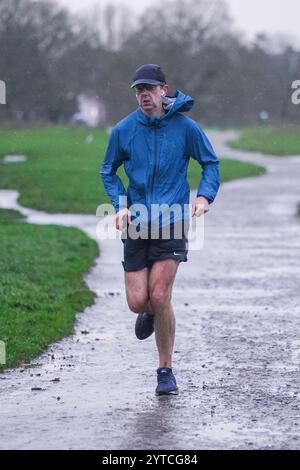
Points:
(161, 279)
(136, 285)
(137, 291)
(149, 308)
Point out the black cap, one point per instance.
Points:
(150, 74)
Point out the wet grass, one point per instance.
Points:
(41, 284)
(62, 170)
(270, 141)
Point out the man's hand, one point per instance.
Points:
(121, 218)
(200, 207)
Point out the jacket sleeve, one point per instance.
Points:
(113, 159)
(200, 149)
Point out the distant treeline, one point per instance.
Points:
(49, 56)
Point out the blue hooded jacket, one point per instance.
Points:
(155, 153)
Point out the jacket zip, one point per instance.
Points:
(154, 166)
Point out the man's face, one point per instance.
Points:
(150, 97)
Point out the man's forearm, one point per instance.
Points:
(210, 182)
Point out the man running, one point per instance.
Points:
(155, 143)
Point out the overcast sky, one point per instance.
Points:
(251, 16)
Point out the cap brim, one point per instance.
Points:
(146, 81)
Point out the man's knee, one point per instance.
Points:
(137, 304)
(160, 296)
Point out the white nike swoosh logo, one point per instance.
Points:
(177, 254)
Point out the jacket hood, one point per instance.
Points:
(179, 102)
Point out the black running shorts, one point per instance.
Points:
(143, 252)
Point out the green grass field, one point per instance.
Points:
(41, 285)
(62, 171)
(270, 141)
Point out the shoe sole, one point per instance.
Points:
(173, 392)
(144, 337)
